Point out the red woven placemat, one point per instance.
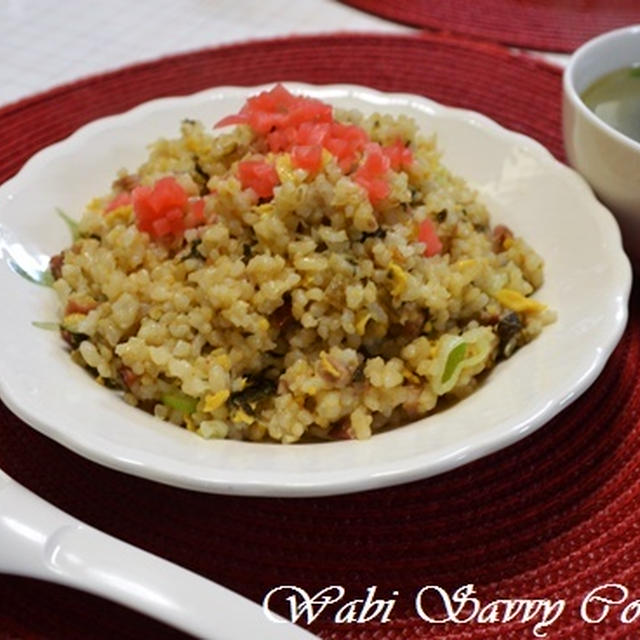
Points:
(552, 516)
(550, 25)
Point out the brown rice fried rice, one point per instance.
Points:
(311, 314)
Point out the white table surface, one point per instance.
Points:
(44, 43)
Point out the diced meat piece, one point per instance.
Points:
(342, 430)
(55, 265)
(80, 305)
(282, 317)
(71, 338)
(501, 233)
(127, 182)
(128, 377)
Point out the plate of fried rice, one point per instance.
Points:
(296, 290)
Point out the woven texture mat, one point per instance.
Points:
(552, 516)
(550, 25)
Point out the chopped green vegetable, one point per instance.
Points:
(455, 357)
(72, 224)
(180, 401)
(43, 278)
(48, 326)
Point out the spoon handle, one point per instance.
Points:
(40, 541)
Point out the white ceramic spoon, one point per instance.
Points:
(40, 541)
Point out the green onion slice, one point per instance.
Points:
(71, 223)
(180, 401)
(455, 357)
(48, 326)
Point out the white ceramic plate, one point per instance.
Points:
(587, 281)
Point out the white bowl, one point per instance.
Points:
(608, 159)
(587, 282)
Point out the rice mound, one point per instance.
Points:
(314, 313)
